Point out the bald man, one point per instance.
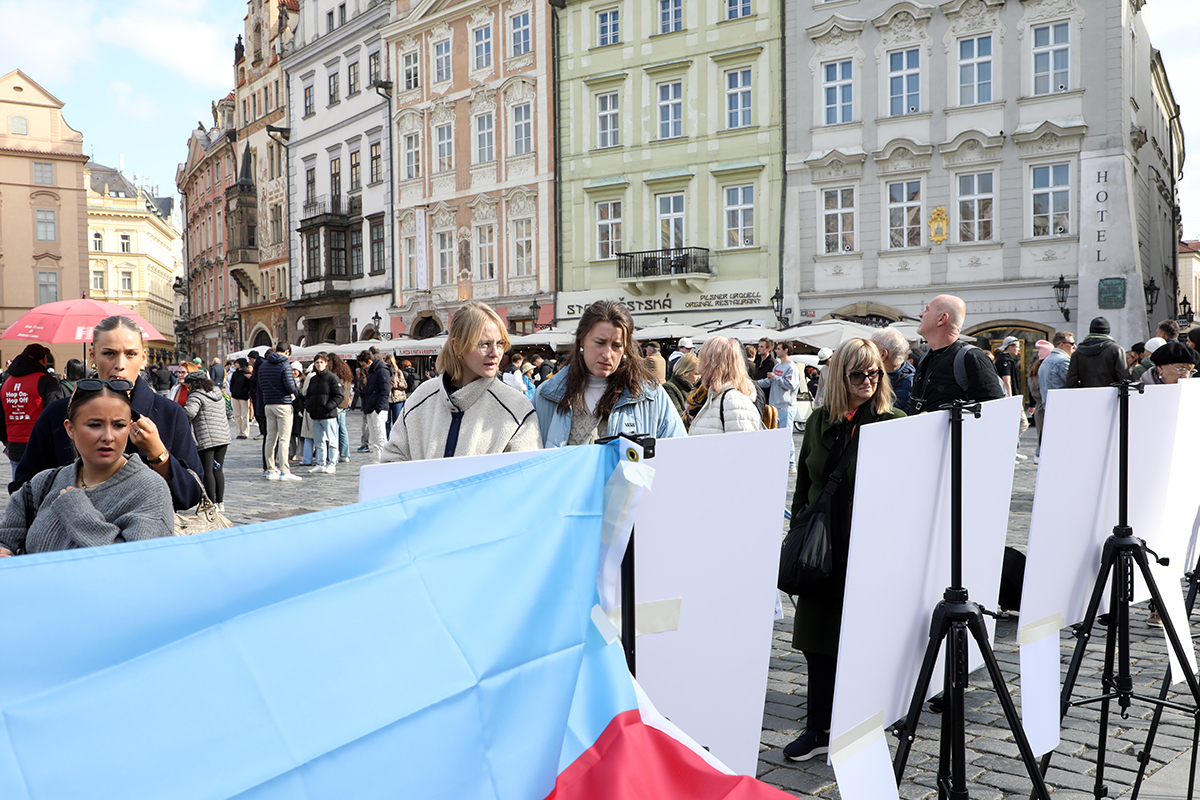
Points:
(951, 370)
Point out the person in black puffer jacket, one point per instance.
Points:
(206, 409)
(376, 395)
(323, 396)
(241, 388)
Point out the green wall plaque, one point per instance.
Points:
(1112, 292)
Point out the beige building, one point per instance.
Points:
(132, 241)
(43, 210)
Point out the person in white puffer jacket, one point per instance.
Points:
(729, 407)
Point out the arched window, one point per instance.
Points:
(98, 241)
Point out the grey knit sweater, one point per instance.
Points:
(133, 504)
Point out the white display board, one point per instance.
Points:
(899, 568)
(1075, 508)
(707, 538)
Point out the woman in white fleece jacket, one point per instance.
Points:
(728, 408)
(466, 411)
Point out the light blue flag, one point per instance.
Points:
(425, 645)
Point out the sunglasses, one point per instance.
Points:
(857, 377)
(96, 384)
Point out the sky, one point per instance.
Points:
(137, 75)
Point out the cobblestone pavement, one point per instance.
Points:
(995, 770)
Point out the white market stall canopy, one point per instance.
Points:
(746, 334)
(547, 337)
(826, 333)
(666, 330)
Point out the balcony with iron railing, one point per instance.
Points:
(330, 208)
(689, 266)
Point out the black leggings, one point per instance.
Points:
(214, 477)
(821, 671)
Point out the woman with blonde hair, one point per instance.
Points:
(685, 376)
(729, 407)
(857, 393)
(467, 410)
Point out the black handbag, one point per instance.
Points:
(807, 554)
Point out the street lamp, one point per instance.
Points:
(534, 308)
(777, 305)
(377, 320)
(1185, 310)
(1151, 290)
(1061, 290)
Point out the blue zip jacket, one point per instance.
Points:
(648, 413)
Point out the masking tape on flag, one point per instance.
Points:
(1035, 631)
(658, 616)
(604, 625)
(855, 740)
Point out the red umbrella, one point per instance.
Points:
(71, 321)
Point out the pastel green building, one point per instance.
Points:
(671, 148)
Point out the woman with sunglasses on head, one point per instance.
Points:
(606, 389)
(857, 393)
(103, 496)
(467, 410)
(159, 432)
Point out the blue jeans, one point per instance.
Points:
(394, 410)
(343, 434)
(786, 417)
(325, 441)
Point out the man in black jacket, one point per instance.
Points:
(1098, 360)
(764, 364)
(943, 375)
(240, 386)
(277, 388)
(376, 395)
(163, 379)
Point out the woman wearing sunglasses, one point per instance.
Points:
(104, 496)
(466, 411)
(159, 431)
(857, 393)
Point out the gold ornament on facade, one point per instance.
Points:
(939, 223)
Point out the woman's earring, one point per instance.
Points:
(581, 349)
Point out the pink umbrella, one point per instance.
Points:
(71, 321)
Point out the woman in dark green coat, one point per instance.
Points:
(857, 393)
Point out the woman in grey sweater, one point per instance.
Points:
(104, 497)
(205, 408)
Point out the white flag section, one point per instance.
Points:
(707, 564)
(899, 567)
(1075, 508)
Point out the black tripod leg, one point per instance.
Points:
(937, 632)
(1010, 709)
(1144, 755)
(1176, 644)
(1106, 678)
(954, 733)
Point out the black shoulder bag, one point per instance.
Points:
(807, 555)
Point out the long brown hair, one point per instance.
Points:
(338, 366)
(631, 373)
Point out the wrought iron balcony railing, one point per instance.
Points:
(663, 263)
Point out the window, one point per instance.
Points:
(126, 281)
(47, 287)
(739, 216)
(254, 106)
(670, 221)
(1052, 200)
(410, 261)
(737, 97)
(276, 223)
(43, 173)
(333, 88)
(47, 225)
(337, 253)
(376, 162)
(445, 147)
(670, 110)
(522, 129)
(278, 102)
(441, 61)
(484, 139)
(904, 81)
(245, 111)
(356, 252)
(975, 207)
(904, 214)
(608, 229)
(608, 120)
(310, 185)
(839, 220)
(378, 264)
(352, 79)
(97, 280)
(373, 68)
(126, 243)
(98, 241)
(523, 246)
(342, 14)
(412, 156)
(270, 161)
(412, 75)
(608, 25)
(838, 89)
(520, 34)
(329, 22)
(670, 16)
(485, 249)
(483, 47)
(737, 8)
(335, 178)
(445, 253)
(355, 170)
(975, 70)
(309, 101)
(19, 126)
(1051, 58)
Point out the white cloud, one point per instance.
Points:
(174, 37)
(130, 104)
(51, 41)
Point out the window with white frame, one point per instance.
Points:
(522, 129)
(485, 251)
(47, 287)
(737, 8)
(333, 88)
(1052, 200)
(608, 229)
(608, 120)
(310, 185)
(126, 281)
(375, 154)
(356, 252)
(670, 16)
(670, 110)
(445, 255)
(523, 247)
(975, 200)
(410, 261)
(126, 240)
(412, 156)
(904, 81)
(975, 70)
(98, 241)
(46, 220)
(309, 101)
(838, 90)
(904, 214)
(374, 67)
(521, 40)
(739, 216)
(1052, 58)
(352, 78)
(483, 47)
(355, 170)
(412, 72)
(838, 208)
(97, 280)
(485, 138)
(737, 97)
(43, 173)
(445, 147)
(608, 27)
(441, 61)
(670, 220)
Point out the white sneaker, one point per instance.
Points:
(1021, 457)
(317, 468)
(330, 469)
(273, 475)
(221, 507)
(289, 476)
